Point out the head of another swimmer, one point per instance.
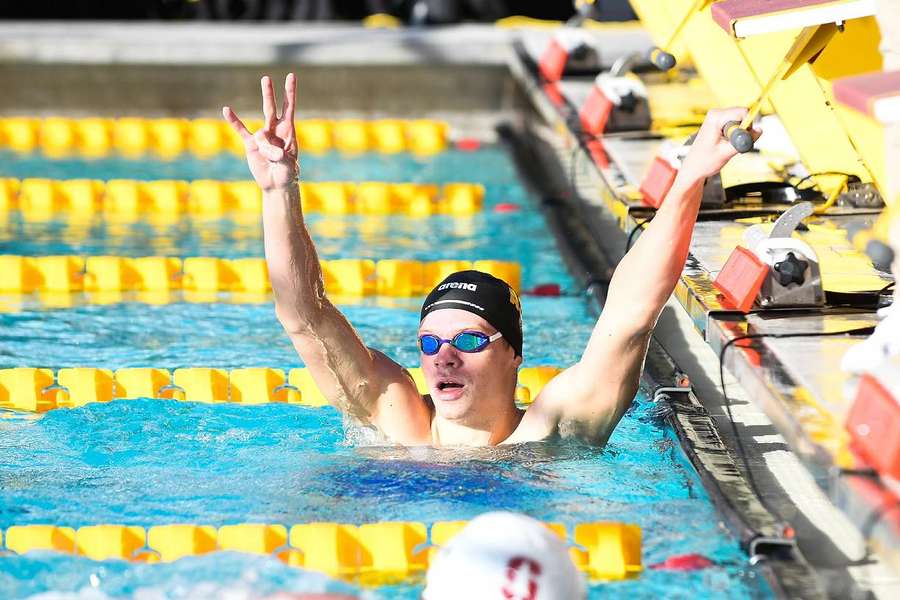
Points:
(470, 343)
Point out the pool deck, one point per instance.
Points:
(74, 67)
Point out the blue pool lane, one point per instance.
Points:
(149, 462)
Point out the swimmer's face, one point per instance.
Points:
(468, 386)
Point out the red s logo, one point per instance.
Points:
(521, 579)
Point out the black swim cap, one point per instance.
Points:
(484, 295)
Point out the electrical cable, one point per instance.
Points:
(727, 401)
(637, 226)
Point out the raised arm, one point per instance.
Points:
(361, 382)
(590, 397)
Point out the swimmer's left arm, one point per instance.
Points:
(591, 396)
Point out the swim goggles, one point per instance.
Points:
(464, 341)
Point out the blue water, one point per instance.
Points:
(148, 462)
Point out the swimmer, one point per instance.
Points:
(470, 331)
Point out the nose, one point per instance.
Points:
(447, 356)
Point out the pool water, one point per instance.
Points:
(150, 462)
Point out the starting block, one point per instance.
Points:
(796, 48)
(615, 104)
(569, 42)
(659, 178)
(775, 269)
(873, 417)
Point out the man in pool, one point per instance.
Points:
(470, 334)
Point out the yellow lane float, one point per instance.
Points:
(40, 390)
(372, 553)
(205, 137)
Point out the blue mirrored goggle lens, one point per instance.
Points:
(464, 341)
(429, 344)
(469, 342)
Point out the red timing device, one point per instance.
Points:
(873, 425)
(595, 112)
(657, 182)
(741, 278)
(553, 60)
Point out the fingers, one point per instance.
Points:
(268, 97)
(268, 145)
(290, 93)
(236, 123)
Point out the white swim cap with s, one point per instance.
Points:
(504, 556)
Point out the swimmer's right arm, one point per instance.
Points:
(361, 382)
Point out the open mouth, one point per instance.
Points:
(447, 385)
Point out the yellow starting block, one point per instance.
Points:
(795, 49)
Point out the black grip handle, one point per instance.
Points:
(661, 59)
(739, 137)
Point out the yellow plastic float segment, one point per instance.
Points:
(125, 197)
(462, 199)
(523, 395)
(201, 384)
(25, 388)
(206, 137)
(38, 195)
(102, 542)
(510, 272)
(207, 197)
(310, 395)
(349, 276)
(436, 271)
(388, 136)
(81, 196)
(9, 193)
(418, 378)
(376, 198)
(252, 538)
(399, 278)
(244, 196)
(613, 549)
(60, 273)
(139, 382)
(110, 273)
(330, 548)
(166, 196)
(329, 197)
(177, 541)
(416, 199)
(251, 275)
(535, 378)
(207, 274)
(168, 137)
(20, 133)
(20, 274)
(131, 135)
(157, 273)
(314, 135)
(56, 135)
(84, 385)
(426, 136)
(24, 538)
(391, 551)
(93, 136)
(256, 385)
(351, 136)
